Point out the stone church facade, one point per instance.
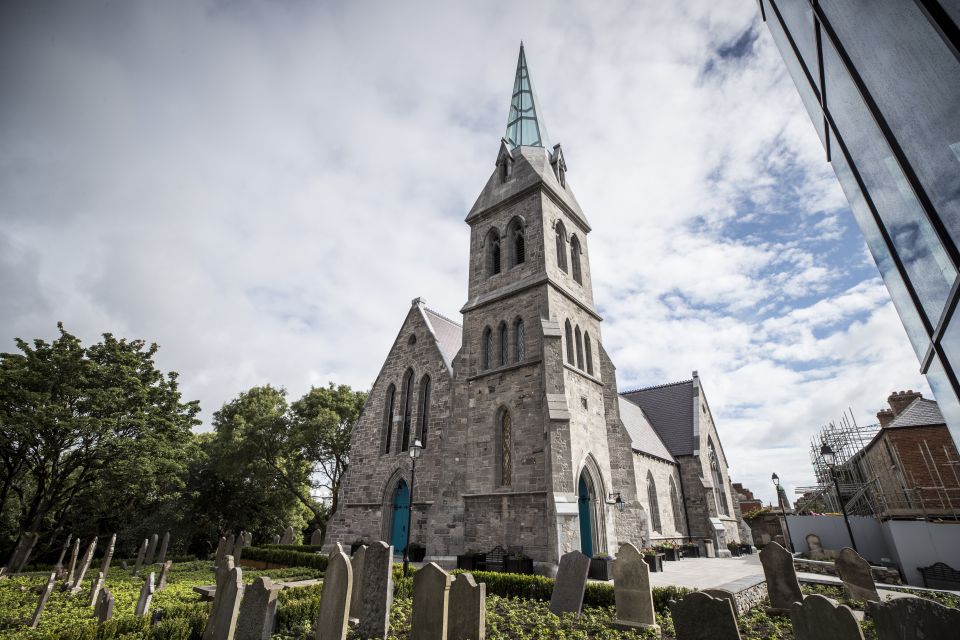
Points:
(526, 441)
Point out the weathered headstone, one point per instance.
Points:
(316, 538)
(44, 596)
(782, 586)
(570, 583)
(258, 611)
(913, 619)
(276, 539)
(96, 584)
(21, 554)
(287, 535)
(239, 546)
(74, 553)
(631, 590)
(334, 615)
(724, 594)
(223, 573)
(77, 583)
(146, 596)
(164, 543)
(104, 608)
(816, 547)
(377, 591)
(164, 574)
(702, 617)
(468, 609)
(141, 554)
(222, 624)
(221, 552)
(856, 575)
(230, 547)
(356, 597)
(151, 549)
(431, 602)
(63, 554)
(816, 618)
(108, 556)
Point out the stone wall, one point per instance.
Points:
(885, 575)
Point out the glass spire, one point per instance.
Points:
(525, 126)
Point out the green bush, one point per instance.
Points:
(286, 557)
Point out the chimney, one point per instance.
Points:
(885, 416)
(900, 400)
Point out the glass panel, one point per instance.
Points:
(524, 123)
(915, 81)
(943, 391)
(798, 16)
(928, 267)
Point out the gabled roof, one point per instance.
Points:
(669, 408)
(643, 436)
(449, 334)
(919, 413)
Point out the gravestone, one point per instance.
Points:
(857, 577)
(238, 547)
(63, 554)
(782, 586)
(84, 565)
(334, 615)
(431, 602)
(724, 594)
(913, 619)
(356, 597)
(631, 590)
(816, 618)
(276, 539)
(104, 609)
(570, 583)
(287, 535)
(258, 611)
(21, 554)
(44, 596)
(223, 573)
(816, 547)
(74, 552)
(377, 591)
(164, 574)
(230, 547)
(468, 609)
(108, 556)
(164, 543)
(96, 584)
(146, 597)
(221, 548)
(702, 617)
(222, 624)
(151, 549)
(316, 538)
(141, 553)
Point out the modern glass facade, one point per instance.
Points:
(881, 82)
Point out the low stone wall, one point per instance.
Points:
(884, 575)
(744, 593)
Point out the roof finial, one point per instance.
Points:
(525, 126)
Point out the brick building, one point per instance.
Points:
(526, 441)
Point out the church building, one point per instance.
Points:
(526, 442)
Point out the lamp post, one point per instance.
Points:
(831, 459)
(783, 512)
(415, 450)
(617, 500)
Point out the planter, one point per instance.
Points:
(671, 555)
(519, 564)
(654, 561)
(416, 554)
(746, 549)
(601, 569)
(691, 551)
(734, 550)
(467, 562)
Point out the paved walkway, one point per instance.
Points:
(706, 573)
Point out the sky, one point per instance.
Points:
(263, 187)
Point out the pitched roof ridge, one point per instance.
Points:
(657, 386)
(443, 317)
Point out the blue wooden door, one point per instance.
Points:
(401, 510)
(586, 528)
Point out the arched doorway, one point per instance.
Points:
(585, 502)
(401, 511)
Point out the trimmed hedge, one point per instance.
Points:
(305, 548)
(286, 558)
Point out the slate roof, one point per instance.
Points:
(642, 434)
(449, 334)
(919, 413)
(669, 408)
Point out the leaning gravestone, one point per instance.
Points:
(287, 535)
(44, 596)
(104, 609)
(356, 597)
(73, 563)
(221, 551)
(164, 574)
(632, 592)
(570, 584)
(223, 573)
(141, 553)
(377, 591)
(702, 617)
(146, 596)
(108, 556)
(468, 609)
(258, 611)
(856, 575)
(816, 618)
(316, 538)
(913, 619)
(21, 554)
(151, 549)
(334, 616)
(223, 618)
(431, 602)
(63, 554)
(164, 543)
(782, 586)
(84, 565)
(96, 584)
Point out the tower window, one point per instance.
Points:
(575, 259)
(579, 349)
(504, 344)
(505, 444)
(492, 245)
(521, 337)
(561, 247)
(588, 352)
(569, 334)
(515, 233)
(487, 347)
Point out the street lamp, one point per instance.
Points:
(831, 459)
(415, 450)
(783, 512)
(617, 500)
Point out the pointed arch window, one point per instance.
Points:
(407, 409)
(588, 352)
(569, 334)
(424, 410)
(504, 344)
(579, 348)
(654, 504)
(718, 488)
(677, 507)
(518, 245)
(575, 259)
(561, 247)
(388, 404)
(492, 243)
(505, 448)
(487, 348)
(521, 340)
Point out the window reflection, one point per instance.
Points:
(943, 391)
